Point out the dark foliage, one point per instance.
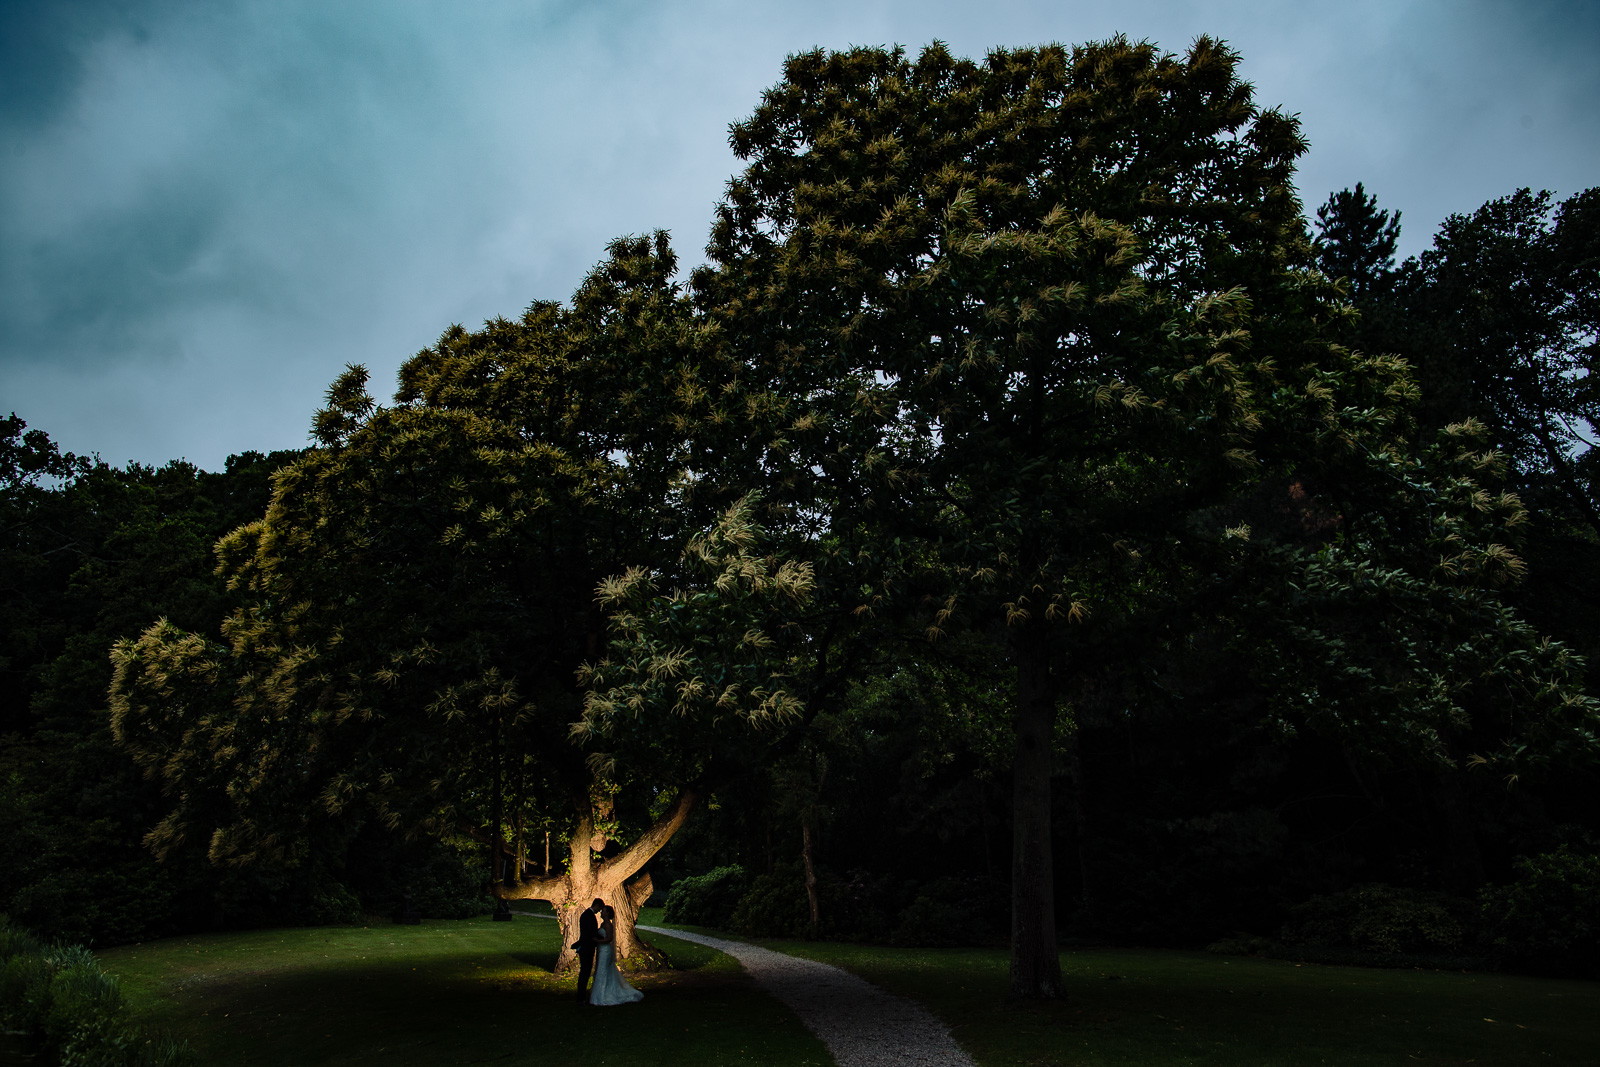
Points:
(1381, 920)
(1353, 745)
(1548, 918)
(70, 1011)
(707, 899)
(1356, 242)
(91, 554)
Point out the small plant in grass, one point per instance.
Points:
(71, 1011)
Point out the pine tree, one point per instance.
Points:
(1355, 241)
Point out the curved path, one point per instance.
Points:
(861, 1025)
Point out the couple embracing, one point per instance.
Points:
(596, 947)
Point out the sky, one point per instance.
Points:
(208, 208)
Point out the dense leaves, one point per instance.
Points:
(1019, 484)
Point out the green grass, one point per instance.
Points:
(1156, 1008)
(442, 993)
(482, 992)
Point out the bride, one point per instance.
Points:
(609, 985)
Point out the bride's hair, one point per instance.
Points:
(608, 912)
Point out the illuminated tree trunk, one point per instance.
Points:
(618, 881)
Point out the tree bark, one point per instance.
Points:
(1035, 961)
(811, 878)
(496, 840)
(520, 849)
(1080, 818)
(619, 881)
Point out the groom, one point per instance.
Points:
(588, 927)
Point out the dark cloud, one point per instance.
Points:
(43, 51)
(206, 209)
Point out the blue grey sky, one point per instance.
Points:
(208, 208)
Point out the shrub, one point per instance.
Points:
(1548, 919)
(72, 1011)
(954, 911)
(1380, 919)
(706, 899)
(1162, 881)
(775, 905)
(332, 904)
(858, 907)
(72, 904)
(1244, 944)
(445, 883)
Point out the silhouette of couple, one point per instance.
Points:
(596, 948)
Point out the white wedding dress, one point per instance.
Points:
(610, 987)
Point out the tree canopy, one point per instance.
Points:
(1051, 318)
(1014, 399)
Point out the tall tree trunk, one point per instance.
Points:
(1035, 960)
(1080, 820)
(520, 848)
(811, 877)
(496, 840)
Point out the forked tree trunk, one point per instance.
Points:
(617, 881)
(1035, 961)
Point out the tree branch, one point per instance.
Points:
(556, 888)
(625, 865)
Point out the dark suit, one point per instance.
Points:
(588, 928)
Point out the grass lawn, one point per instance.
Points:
(1150, 1007)
(481, 992)
(442, 993)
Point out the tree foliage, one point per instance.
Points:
(1501, 316)
(1016, 433)
(1356, 242)
(1047, 317)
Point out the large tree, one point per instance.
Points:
(1009, 299)
(1049, 318)
(420, 596)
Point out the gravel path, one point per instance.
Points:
(862, 1025)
